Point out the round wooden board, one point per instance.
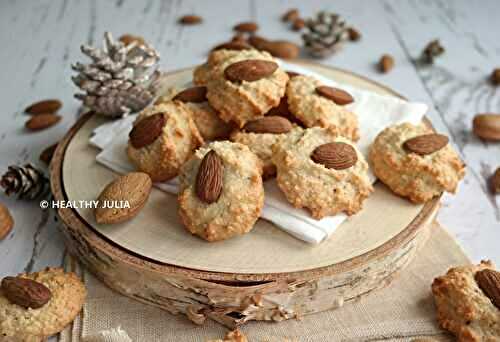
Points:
(154, 247)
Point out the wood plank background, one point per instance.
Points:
(40, 39)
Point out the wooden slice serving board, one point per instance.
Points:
(264, 275)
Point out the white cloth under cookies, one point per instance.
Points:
(375, 112)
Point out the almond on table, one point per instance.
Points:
(42, 121)
(6, 221)
(44, 106)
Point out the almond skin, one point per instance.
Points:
(290, 15)
(426, 143)
(25, 292)
(133, 187)
(487, 126)
(335, 155)
(233, 45)
(495, 76)
(495, 182)
(489, 281)
(147, 130)
(249, 27)
(190, 19)
(386, 63)
(6, 221)
(47, 153)
(269, 124)
(42, 121)
(250, 70)
(194, 94)
(337, 95)
(298, 24)
(354, 35)
(45, 106)
(209, 178)
(278, 48)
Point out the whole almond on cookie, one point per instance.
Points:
(337, 95)
(45, 106)
(489, 281)
(25, 292)
(487, 126)
(209, 178)
(335, 155)
(42, 121)
(147, 130)
(269, 124)
(426, 144)
(250, 70)
(6, 221)
(123, 198)
(194, 94)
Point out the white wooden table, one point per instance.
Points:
(40, 39)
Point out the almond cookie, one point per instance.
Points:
(314, 107)
(202, 73)
(260, 136)
(244, 87)
(465, 302)
(416, 168)
(66, 300)
(321, 171)
(210, 126)
(221, 193)
(164, 136)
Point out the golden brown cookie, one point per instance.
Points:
(321, 171)
(314, 108)
(244, 87)
(68, 296)
(260, 136)
(221, 193)
(413, 175)
(164, 136)
(210, 126)
(463, 307)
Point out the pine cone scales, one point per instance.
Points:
(26, 182)
(326, 34)
(121, 79)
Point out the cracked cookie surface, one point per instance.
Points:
(308, 184)
(240, 202)
(417, 177)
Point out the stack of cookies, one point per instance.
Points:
(247, 120)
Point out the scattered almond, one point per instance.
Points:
(335, 155)
(6, 221)
(209, 178)
(354, 35)
(42, 121)
(190, 19)
(495, 182)
(43, 107)
(489, 281)
(298, 24)
(386, 63)
(25, 292)
(194, 94)
(337, 95)
(487, 126)
(426, 143)
(233, 45)
(249, 27)
(495, 76)
(47, 153)
(290, 15)
(278, 48)
(133, 188)
(147, 130)
(269, 124)
(250, 70)
(128, 39)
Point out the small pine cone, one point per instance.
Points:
(327, 32)
(27, 182)
(121, 78)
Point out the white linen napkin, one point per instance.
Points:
(375, 112)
